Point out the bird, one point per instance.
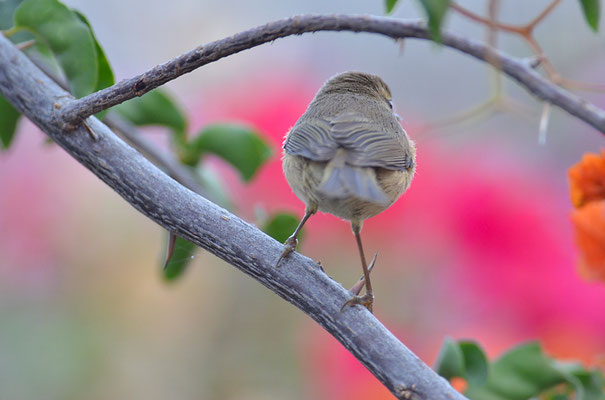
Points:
(348, 156)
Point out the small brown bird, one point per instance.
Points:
(348, 156)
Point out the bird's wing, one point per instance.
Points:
(312, 139)
(368, 145)
(365, 142)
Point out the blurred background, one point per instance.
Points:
(480, 247)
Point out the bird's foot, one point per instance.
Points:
(356, 289)
(289, 247)
(366, 300)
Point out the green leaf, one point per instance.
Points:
(239, 145)
(105, 76)
(389, 5)
(180, 259)
(8, 122)
(592, 12)
(154, 108)
(525, 372)
(7, 10)
(450, 360)
(280, 226)
(40, 53)
(435, 11)
(67, 36)
(475, 362)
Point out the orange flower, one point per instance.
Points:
(587, 190)
(587, 179)
(589, 226)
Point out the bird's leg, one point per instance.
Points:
(292, 241)
(367, 299)
(358, 287)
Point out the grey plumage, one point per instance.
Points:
(348, 155)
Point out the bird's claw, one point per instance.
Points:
(366, 300)
(356, 289)
(289, 246)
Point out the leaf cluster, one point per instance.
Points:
(524, 372)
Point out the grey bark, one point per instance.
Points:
(182, 212)
(521, 71)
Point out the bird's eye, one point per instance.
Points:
(391, 104)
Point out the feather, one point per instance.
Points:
(341, 181)
(365, 142)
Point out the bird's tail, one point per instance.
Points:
(341, 180)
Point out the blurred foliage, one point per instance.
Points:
(463, 359)
(241, 146)
(105, 76)
(280, 226)
(155, 108)
(7, 10)
(521, 373)
(389, 5)
(180, 253)
(592, 12)
(61, 35)
(435, 11)
(69, 38)
(9, 117)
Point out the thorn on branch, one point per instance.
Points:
(544, 119)
(25, 45)
(533, 62)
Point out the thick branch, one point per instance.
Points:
(162, 159)
(77, 110)
(298, 279)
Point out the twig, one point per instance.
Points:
(299, 280)
(75, 111)
(529, 27)
(486, 21)
(526, 31)
(25, 45)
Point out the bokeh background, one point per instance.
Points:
(480, 247)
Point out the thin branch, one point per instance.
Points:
(299, 280)
(526, 31)
(531, 25)
(75, 111)
(486, 21)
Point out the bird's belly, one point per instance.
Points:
(350, 208)
(305, 177)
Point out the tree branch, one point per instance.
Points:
(298, 279)
(76, 111)
(164, 160)
(131, 134)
